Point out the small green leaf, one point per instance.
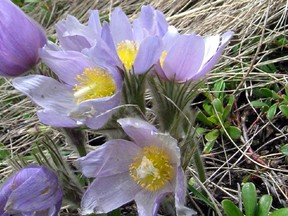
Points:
(212, 135)
(285, 98)
(264, 205)
(284, 149)
(258, 104)
(199, 195)
(230, 208)
(203, 118)
(265, 92)
(286, 89)
(219, 88)
(214, 120)
(249, 197)
(208, 147)
(284, 110)
(201, 130)
(272, 111)
(4, 153)
(218, 105)
(234, 132)
(208, 108)
(280, 212)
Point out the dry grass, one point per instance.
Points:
(256, 22)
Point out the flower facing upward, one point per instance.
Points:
(33, 190)
(20, 39)
(86, 94)
(189, 57)
(127, 46)
(144, 169)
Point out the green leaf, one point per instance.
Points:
(212, 135)
(284, 110)
(208, 108)
(208, 147)
(285, 98)
(214, 119)
(286, 89)
(269, 68)
(218, 105)
(230, 208)
(201, 130)
(228, 107)
(200, 195)
(280, 212)
(219, 88)
(234, 132)
(272, 111)
(4, 153)
(249, 197)
(284, 149)
(258, 104)
(264, 205)
(203, 118)
(265, 92)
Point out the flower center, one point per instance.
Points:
(94, 83)
(152, 169)
(127, 51)
(162, 57)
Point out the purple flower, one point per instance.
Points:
(152, 22)
(85, 95)
(144, 169)
(73, 35)
(20, 39)
(190, 57)
(125, 46)
(33, 190)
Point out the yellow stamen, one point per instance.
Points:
(152, 169)
(162, 57)
(127, 51)
(94, 83)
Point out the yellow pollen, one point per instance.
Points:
(162, 57)
(152, 169)
(93, 83)
(127, 51)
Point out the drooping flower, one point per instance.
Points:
(126, 46)
(73, 35)
(144, 169)
(20, 39)
(85, 95)
(33, 190)
(190, 57)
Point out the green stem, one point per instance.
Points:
(200, 167)
(76, 138)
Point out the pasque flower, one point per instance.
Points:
(129, 47)
(144, 169)
(151, 22)
(20, 39)
(190, 57)
(73, 35)
(33, 190)
(86, 94)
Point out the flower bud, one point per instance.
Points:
(20, 39)
(33, 190)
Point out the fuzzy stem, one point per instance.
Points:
(76, 138)
(199, 165)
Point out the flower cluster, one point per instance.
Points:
(101, 70)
